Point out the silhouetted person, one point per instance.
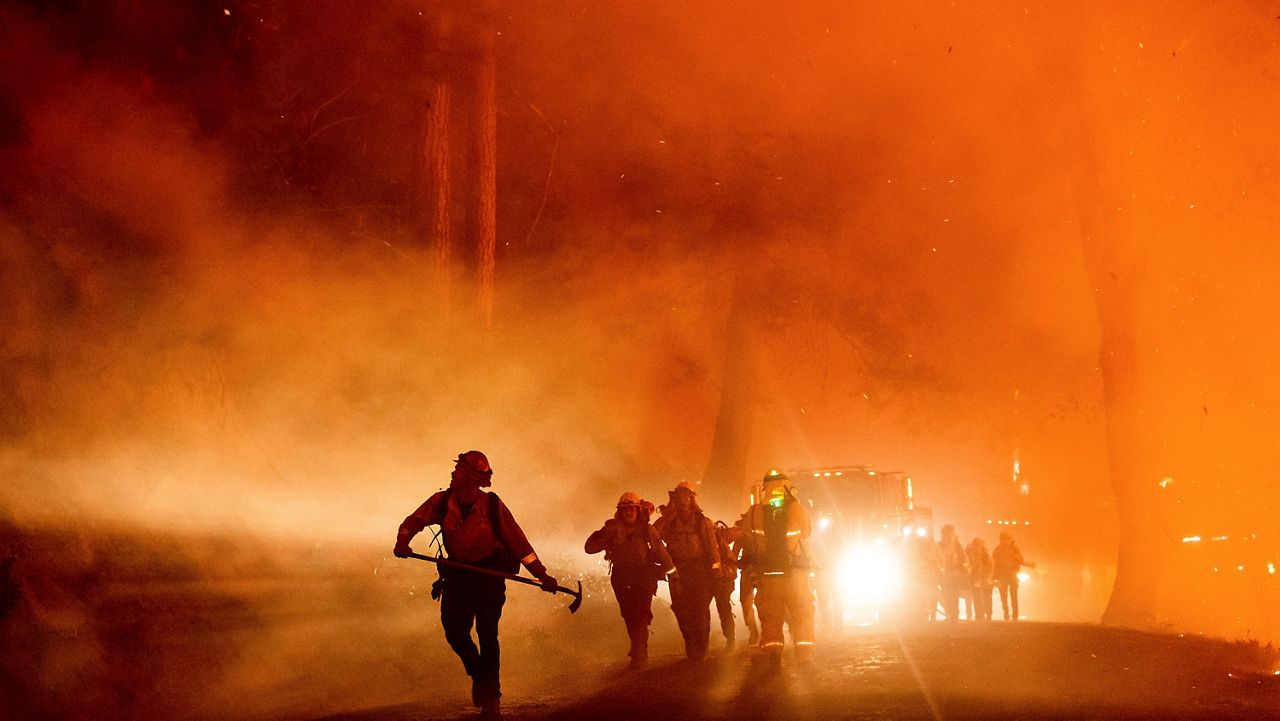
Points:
(478, 530)
(955, 572)
(691, 540)
(1007, 561)
(924, 564)
(980, 580)
(637, 559)
(748, 577)
(723, 589)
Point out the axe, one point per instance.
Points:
(577, 595)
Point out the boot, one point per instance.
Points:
(753, 639)
(804, 654)
(491, 709)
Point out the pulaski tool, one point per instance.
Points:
(577, 595)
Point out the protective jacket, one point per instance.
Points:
(775, 536)
(634, 552)
(1007, 560)
(955, 563)
(690, 542)
(980, 566)
(481, 534)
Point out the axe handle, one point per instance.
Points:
(475, 569)
(577, 595)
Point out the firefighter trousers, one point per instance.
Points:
(691, 592)
(724, 607)
(1008, 596)
(635, 603)
(469, 599)
(747, 600)
(785, 597)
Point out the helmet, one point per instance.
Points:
(685, 486)
(774, 476)
(629, 499)
(1006, 536)
(476, 465)
(948, 530)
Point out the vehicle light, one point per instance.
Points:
(824, 523)
(922, 532)
(869, 573)
(1023, 576)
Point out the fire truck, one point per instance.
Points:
(862, 522)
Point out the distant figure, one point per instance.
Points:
(1007, 560)
(691, 540)
(955, 572)
(748, 577)
(637, 559)
(478, 530)
(723, 592)
(924, 563)
(778, 523)
(980, 580)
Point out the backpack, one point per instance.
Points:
(501, 559)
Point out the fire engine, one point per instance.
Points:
(862, 521)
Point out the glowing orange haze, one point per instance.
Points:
(897, 187)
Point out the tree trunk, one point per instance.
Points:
(726, 478)
(488, 220)
(439, 193)
(1114, 261)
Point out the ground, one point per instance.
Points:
(138, 625)
(997, 670)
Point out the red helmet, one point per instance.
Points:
(476, 465)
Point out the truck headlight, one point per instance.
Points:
(869, 573)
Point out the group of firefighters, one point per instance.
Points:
(763, 551)
(946, 572)
(702, 561)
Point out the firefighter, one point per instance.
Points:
(778, 524)
(479, 530)
(748, 578)
(691, 540)
(924, 563)
(637, 559)
(1007, 561)
(955, 572)
(723, 593)
(980, 579)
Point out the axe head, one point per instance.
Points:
(577, 599)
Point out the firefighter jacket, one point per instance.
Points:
(690, 541)
(476, 534)
(1006, 559)
(980, 565)
(954, 561)
(776, 536)
(635, 551)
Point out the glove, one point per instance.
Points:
(402, 550)
(549, 583)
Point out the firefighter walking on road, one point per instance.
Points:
(778, 524)
(980, 580)
(748, 579)
(637, 559)
(724, 584)
(479, 530)
(955, 573)
(1007, 561)
(691, 540)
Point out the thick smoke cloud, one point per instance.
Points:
(222, 317)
